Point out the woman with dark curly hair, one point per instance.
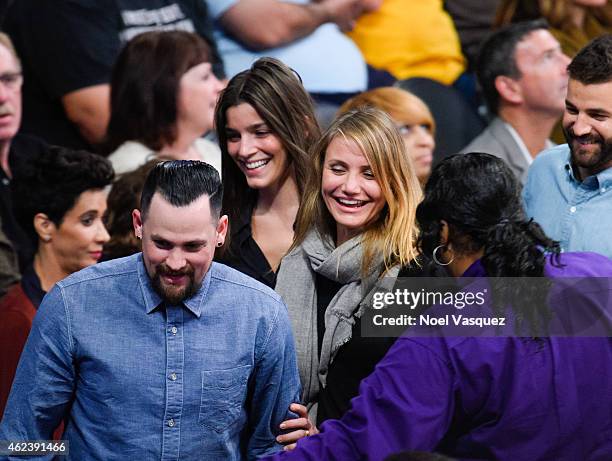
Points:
(61, 203)
(478, 397)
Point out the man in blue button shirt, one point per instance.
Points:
(569, 187)
(162, 355)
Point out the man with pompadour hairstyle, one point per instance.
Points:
(163, 354)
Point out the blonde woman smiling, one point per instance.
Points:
(356, 224)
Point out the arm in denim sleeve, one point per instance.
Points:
(45, 377)
(406, 404)
(276, 386)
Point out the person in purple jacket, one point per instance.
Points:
(484, 398)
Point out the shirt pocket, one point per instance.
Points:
(223, 396)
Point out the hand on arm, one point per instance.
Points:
(89, 109)
(300, 427)
(406, 404)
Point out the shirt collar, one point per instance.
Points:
(152, 300)
(476, 269)
(601, 181)
(519, 142)
(521, 145)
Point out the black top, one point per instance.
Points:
(326, 290)
(243, 253)
(353, 362)
(32, 287)
(70, 45)
(23, 149)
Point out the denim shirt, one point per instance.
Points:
(211, 379)
(576, 213)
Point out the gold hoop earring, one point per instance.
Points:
(435, 258)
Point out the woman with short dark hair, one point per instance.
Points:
(61, 201)
(163, 95)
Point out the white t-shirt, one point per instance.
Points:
(132, 154)
(327, 60)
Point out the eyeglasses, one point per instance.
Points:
(406, 130)
(11, 80)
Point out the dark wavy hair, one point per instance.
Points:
(52, 181)
(479, 197)
(275, 91)
(145, 85)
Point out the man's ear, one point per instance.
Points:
(509, 89)
(137, 222)
(44, 227)
(222, 227)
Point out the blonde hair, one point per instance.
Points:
(403, 106)
(394, 233)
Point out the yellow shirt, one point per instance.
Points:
(411, 38)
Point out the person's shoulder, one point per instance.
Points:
(104, 270)
(241, 284)
(548, 165)
(15, 300)
(579, 264)
(129, 156)
(209, 152)
(204, 145)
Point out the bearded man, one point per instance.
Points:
(162, 355)
(569, 187)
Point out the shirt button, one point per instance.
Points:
(573, 209)
(173, 330)
(170, 423)
(173, 376)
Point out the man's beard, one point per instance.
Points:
(173, 294)
(592, 161)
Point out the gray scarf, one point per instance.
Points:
(296, 284)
